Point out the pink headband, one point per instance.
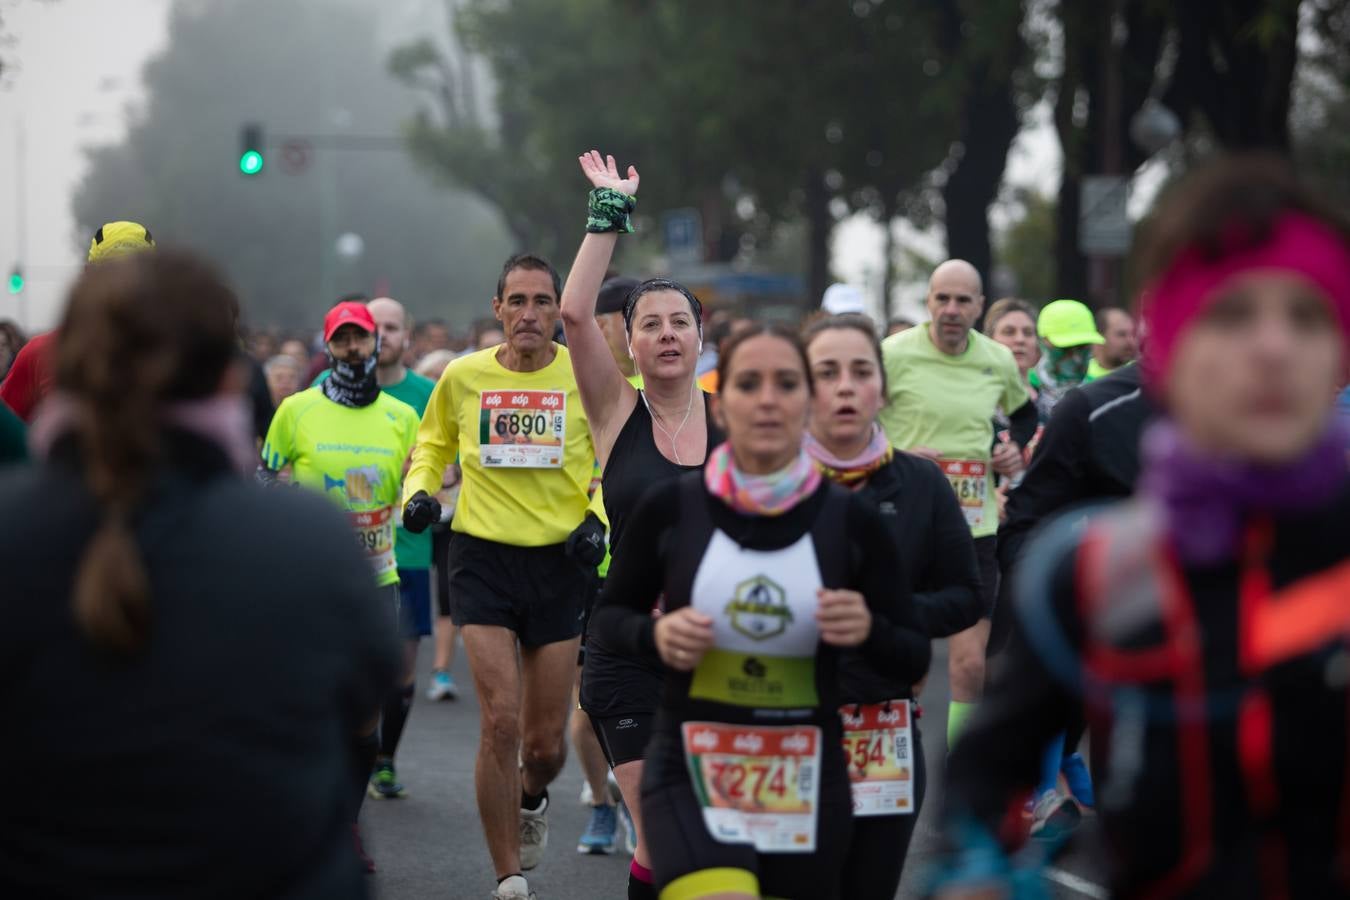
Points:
(1298, 244)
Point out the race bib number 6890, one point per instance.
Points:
(522, 429)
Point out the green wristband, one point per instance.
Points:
(609, 211)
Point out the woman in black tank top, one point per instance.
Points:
(641, 438)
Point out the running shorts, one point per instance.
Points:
(686, 856)
(536, 592)
(415, 602)
(623, 738)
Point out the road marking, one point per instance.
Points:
(1074, 883)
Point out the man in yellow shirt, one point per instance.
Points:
(945, 380)
(521, 541)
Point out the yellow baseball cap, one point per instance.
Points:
(1067, 323)
(119, 239)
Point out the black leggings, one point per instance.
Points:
(876, 855)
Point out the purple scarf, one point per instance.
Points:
(1206, 501)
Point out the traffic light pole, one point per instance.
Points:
(21, 215)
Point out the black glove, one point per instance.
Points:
(586, 544)
(422, 510)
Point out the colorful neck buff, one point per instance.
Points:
(851, 473)
(1205, 501)
(759, 495)
(353, 385)
(1298, 244)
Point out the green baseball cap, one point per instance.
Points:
(1067, 323)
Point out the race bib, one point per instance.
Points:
(879, 751)
(522, 429)
(375, 535)
(970, 480)
(756, 785)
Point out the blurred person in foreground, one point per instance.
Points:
(1202, 626)
(144, 569)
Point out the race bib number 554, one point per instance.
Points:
(522, 429)
(757, 785)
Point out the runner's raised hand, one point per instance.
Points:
(603, 173)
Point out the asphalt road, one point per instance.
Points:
(429, 845)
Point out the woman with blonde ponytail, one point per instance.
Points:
(176, 641)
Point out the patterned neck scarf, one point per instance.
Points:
(353, 385)
(759, 495)
(851, 473)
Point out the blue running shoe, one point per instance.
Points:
(601, 831)
(1079, 780)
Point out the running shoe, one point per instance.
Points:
(1055, 817)
(629, 830)
(587, 797)
(514, 888)
(366, 862)
(442, 687)
(384, 783)
(533, 835)
(1079, 780)
(599, 836)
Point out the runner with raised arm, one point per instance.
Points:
(642, 437)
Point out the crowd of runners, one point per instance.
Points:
(708, 553)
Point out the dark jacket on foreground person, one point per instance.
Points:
(215, 761)
(1088, 451)
(1219, 714)
(935, 555)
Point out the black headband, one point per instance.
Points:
(660, 284)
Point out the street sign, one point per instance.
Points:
(1103, 225)
(683, 229)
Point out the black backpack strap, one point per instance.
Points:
(689, 540)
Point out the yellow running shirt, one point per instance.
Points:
(523, 443)
(947, 403)
(355, 456)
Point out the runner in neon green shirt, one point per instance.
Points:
(350, 441)
(411, 551)
(944, 382)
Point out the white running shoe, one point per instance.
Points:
(587, 797)
(533, 835)
(514, 888)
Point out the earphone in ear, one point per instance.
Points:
(700, 346)
(630, 350)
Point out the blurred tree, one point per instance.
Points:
(1226, 70)
(755, 115)
(1320, 122)
(985, 53)
(1022, 247)
(299, 67)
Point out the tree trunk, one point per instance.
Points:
(991, 124)
(819, 226)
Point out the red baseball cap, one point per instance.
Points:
(349, 312)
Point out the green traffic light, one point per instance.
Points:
(251, 162)
(15, 282)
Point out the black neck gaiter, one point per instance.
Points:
(353, 385)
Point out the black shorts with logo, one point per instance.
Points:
(536, 592)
